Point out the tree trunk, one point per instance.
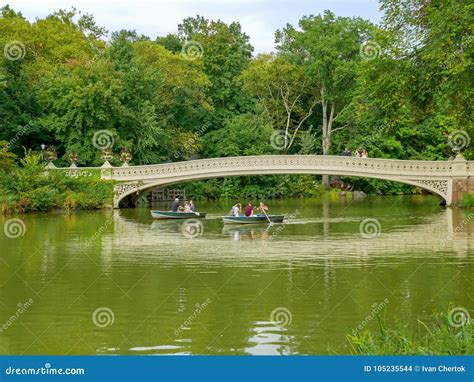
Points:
(326, 136)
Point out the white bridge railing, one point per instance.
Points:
(435, 176)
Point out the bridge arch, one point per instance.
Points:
(433, 176)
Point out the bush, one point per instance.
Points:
(42, 198)
(467, 201)
(30, 188)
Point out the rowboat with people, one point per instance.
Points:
(177, 215)
(254, 219)
(188, 211)
(248, 217)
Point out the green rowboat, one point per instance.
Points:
(255, 219)
(177, 215)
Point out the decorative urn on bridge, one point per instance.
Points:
(73, 158)
(106, 156)
(125, 156)
(50, 156)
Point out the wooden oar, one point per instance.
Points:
(264, 212)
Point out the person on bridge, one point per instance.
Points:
(249, 209)
(175, 205)
(346, 152)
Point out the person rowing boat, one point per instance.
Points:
(175, 205)
(263, 208)
(249, 217)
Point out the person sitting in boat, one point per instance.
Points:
(263, 208)
(192, 206)
(175, 205)
(187, 207)
(249, 209)
(235, 211)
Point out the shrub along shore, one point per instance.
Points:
(28, 188)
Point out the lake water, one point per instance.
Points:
(116, 282)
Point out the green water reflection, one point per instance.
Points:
(168, 292)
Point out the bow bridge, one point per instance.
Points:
(448, 179)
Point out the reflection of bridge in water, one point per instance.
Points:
(449, 231)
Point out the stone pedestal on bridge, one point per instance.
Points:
(462, 187)
(463, 182)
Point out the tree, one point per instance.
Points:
(183, 89)
(79, 100)
(436, 39)
(287, 95)
(18, 106)
(139, 127)
(329, 48)
(242, 135)
(171, 42)
(226, 52)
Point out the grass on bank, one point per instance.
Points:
(442, 336)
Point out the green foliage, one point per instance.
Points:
(245, 134)
(226, 53)
(318, 87)
(7, 159)
(328, 49)
(30, 188)
(438, 337)
(261, 187)
(287, 96)
(467, 201)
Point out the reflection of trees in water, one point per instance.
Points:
(447, 231)
(165, 274)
